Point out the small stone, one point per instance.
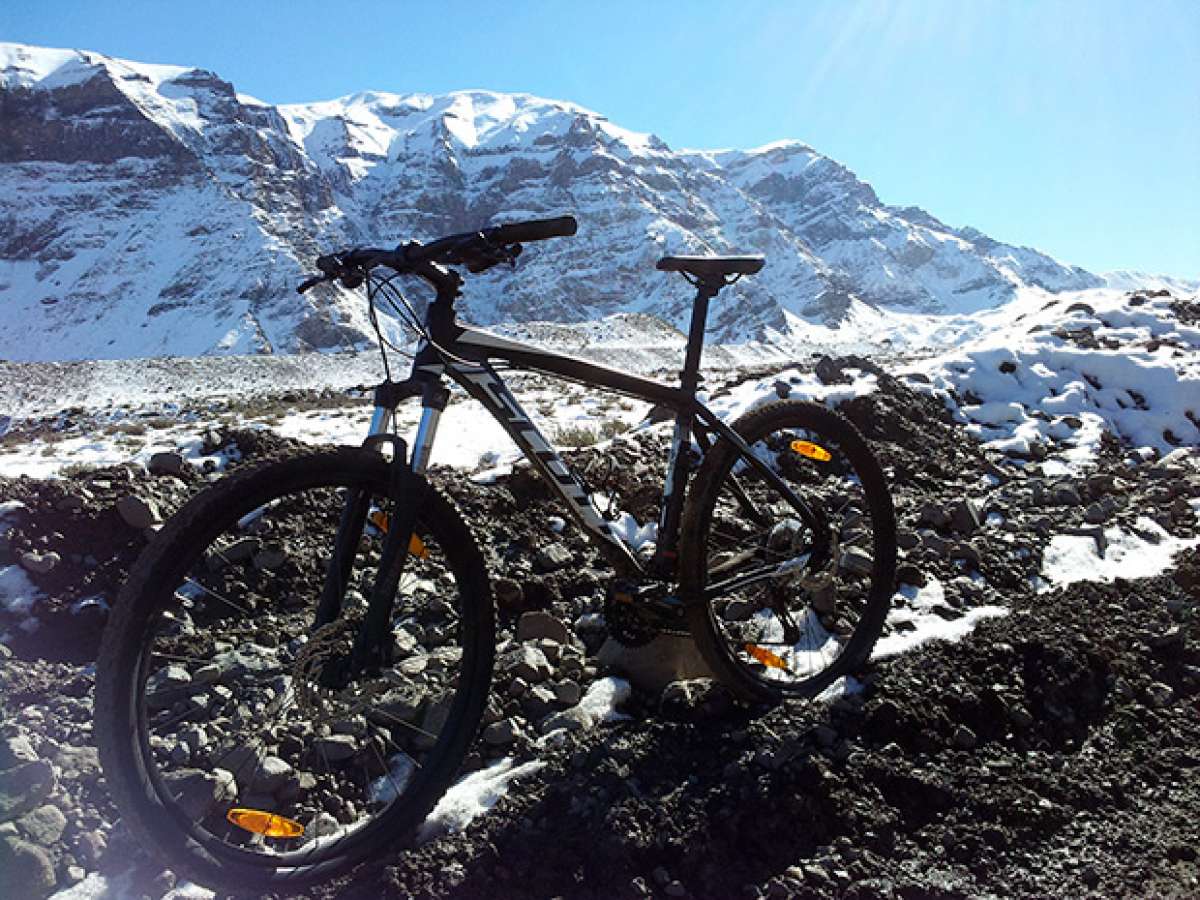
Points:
(136, 512)
(539, 625)
(16, 750)
(933, 514)
(695, 700)
(337, 747)
(528, 663)
(675, 889)
(966, 516)
(825, 735)
(508, 593)
(25, 787)
(200, 791)
(856, 560)
(1065, 495)
(968, 553)
(271, 775)
(44, 825)
(40, 563)
(1160, 694)
(1172, 637)
(552, 557)
(90, 847)
(166, 463)
(907, 573)
(537, 702)
(69, 503)
(568, 692)
(500, 733)
(1020, 716)
(964, 738)
(323, 824)
(26, 870)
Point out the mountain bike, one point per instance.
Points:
(299, 662)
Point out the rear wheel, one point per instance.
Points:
(233, 737)
(784, 600)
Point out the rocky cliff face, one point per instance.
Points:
(154, 210)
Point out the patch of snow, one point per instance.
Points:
(1140, 554)
(101, 887)
(472, 796)
(923, 624)
(600, 703)
(845, 686)
(17, 593)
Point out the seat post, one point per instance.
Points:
(706, 289)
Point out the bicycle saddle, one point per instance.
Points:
(709, 266)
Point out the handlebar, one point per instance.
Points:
(537, 230)
(477, 250)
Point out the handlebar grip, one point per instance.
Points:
(537, 230)
(311, 283)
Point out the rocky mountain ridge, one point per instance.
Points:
(154, 210)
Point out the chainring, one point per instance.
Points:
(629, 623)
(635, 618)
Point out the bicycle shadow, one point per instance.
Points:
(630, 810)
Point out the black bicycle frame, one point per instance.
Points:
(465, 355)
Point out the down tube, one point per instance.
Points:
(482, 383)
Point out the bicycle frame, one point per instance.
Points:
(466, 358)
(465, 355)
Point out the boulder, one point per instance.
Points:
(539, 624)
(651, 667)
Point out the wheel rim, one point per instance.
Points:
(787, 596)
(230, 704)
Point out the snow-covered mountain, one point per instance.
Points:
(149, 210)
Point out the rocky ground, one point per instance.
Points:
(1051, 751)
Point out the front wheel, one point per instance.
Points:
(783, 596)
(235, 737)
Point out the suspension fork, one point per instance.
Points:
(349, 532)
(354, 513)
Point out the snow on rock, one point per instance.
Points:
(1056, 372)
(1142, 552)
(793, 384)
(101, 887)
(473, 796)
(918, 620)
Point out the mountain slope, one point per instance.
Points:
(154, 210)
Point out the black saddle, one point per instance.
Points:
(712, 266)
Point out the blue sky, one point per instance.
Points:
(1068, 125)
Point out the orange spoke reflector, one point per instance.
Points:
(812, 451)
(766, 657)
(258, 821)
(416, 546)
